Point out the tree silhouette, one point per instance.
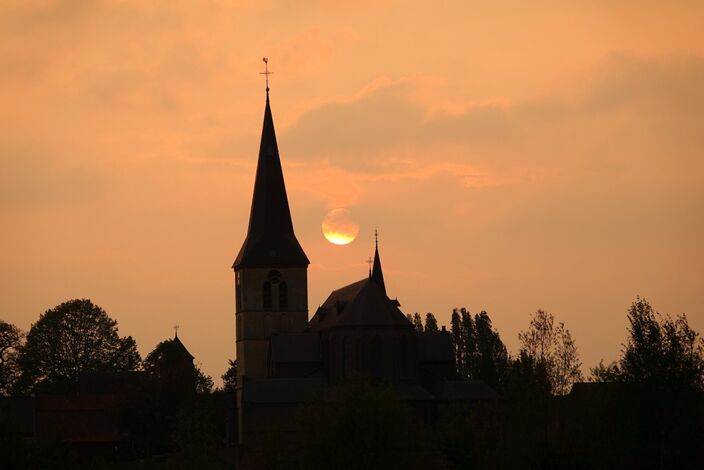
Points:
(479, 351)
(68, 339)
(11, 339)
(417, 322)
(659, 351)
(229, 378)
(552, 345)
(431, 323)
(171, 364)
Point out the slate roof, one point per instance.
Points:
(270, 238)
(363, 303)
(371, 307)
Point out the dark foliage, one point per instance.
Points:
(69, 339)
(552, 344)
(431, 323)
(229, 378)
(11, 340)
(479, 352)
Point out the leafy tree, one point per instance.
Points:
(229, 378)
(68, 339)
(479, 351)
(490, 362)
(605, 372)
(171, 364)
(431, 324)
(456, 335)
(553, 346)
(659, 351)
(417, 322)
(11, 339)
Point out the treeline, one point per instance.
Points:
(74, 337)
(659, 351)
(166, 405)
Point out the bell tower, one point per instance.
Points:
(271, 268)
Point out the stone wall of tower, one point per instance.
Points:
(257, 317)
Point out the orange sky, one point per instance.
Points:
(514, 155)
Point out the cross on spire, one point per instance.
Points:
(266, 72)
(369, 262)
(176, 327)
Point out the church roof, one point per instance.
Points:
(270, 238)
(372, 307)
(362, 303)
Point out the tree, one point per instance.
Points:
(660, 351)
(479, 351)
(229, 378)
(490, 362)
(68, 339)
(172, 365)
(605, 372)
(431, 324)
(11, 339)
(456, 335)
(553, 346)
(417, 322)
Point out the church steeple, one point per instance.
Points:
(377, 275)
(270, 238)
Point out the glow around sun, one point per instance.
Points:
(339, 228)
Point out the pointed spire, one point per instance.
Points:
(377, 275)
(270, 238)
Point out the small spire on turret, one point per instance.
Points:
(376, 275)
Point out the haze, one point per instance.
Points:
(514, 156)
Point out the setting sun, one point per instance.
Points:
(339, 228)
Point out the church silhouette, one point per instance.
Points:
(286, 359)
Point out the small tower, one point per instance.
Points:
(271, 269)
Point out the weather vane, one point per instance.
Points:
(176, 327)
(266, 72)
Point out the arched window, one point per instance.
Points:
(377, 359)
(404, 356)
(283, 296)
(266, 295)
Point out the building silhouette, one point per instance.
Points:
(286, 359)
